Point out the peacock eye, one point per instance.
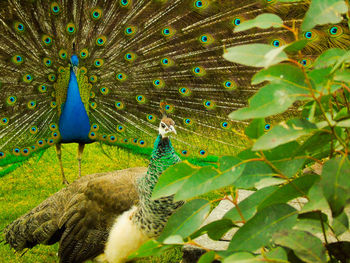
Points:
(55, 8)
(199, 4)
(276, 43)
(308, 35)
(124, 2)
(163, 125)
(70, 28)
(96, 13)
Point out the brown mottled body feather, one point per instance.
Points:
(78, 217)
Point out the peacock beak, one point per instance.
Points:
(172, 129)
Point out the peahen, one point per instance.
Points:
(109, 215)
(95, 71)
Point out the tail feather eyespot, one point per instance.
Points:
(55, 8)
(96, 13)
(70, 29)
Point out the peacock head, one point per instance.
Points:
(166, 126)
(74, 60)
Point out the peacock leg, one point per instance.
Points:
(80, 153)
(59, 156)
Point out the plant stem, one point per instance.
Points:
(281, 175)
(193, 243)
(325, 235)
(234, 201)
(321, 107)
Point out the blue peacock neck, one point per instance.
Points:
(74, 124)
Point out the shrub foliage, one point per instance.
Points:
(305, 158)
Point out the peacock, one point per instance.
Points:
(102, 215)
(87, 71)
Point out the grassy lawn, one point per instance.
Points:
(37, 179)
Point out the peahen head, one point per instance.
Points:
(166, 126)
(74, 60)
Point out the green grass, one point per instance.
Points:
(37, 179)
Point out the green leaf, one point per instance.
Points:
(282, 73)
(186, 219)
(311, 222)
(207, 257)
(342, 75)
(227, 162)
(341, 134)
(289, 168)
(270, 181)
(255, 55)
(315, 144)
(282, 152)
(329, 58)
(342, 60)
(306, 246)
(296, 188)
(269, 100)
(340, 224)
(173, 178)
(215, 230)
(317, 201)
(275, 56)
(261, 21)
(249, 206)
(311, 115)
(307, 108)
(276, 255)
(342, 114)
(336, 184)
(345, 123)
(208, 179)
(150, 248)
(247, 154)
(240, 257)
(253, 173)
(198, 183)
(326, 107)
(320, 78)
(283, 133)
(174, 240)
(282, 158)
(255, 129)
(323, 12)
(257, 231)
(296, 46)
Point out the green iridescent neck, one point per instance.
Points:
(162, 146)
(152, 215)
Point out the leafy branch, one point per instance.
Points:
(302, 158)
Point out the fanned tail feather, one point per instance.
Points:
(132, 56)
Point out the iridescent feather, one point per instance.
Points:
(132, 56)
